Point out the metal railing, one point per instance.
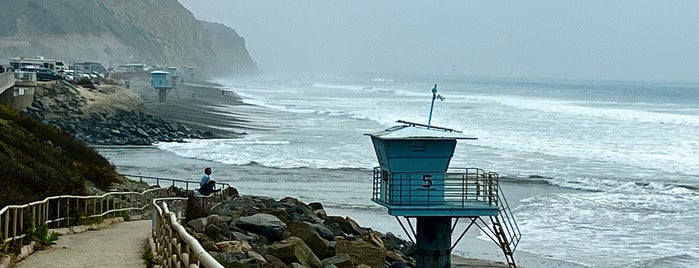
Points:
(185, 184)
(70, 210)
(460, 187)
(216, 197)
(510, 227)
(7, 80)
(25, 76)
(171, 244)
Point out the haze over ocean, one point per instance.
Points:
(600, 173)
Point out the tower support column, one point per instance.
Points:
(433, 241)
(162, 94)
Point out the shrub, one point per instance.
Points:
(41, 234)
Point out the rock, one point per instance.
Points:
(356, 229)
(297, 210)
(263, 224)
(208, 244)
(281, 214)
(230, 259)
(274, 260)
(408, 250)
(261, 261)
(323, 231)
(395, 257)
(234, 246)
(317, 244)
(398, 264)
(318, 209)
(334, 228)
(341, 260)
(293, 249)
(374, 238)
(390, 241)
(213, 231)
(341, 222)
(242, 206)
(362, 252)
(218, 220)
(243, 237)
(199, 225)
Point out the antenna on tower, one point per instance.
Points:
(434, 96)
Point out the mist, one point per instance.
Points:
(608, 40)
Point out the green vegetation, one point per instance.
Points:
(126, 215)
(147, 256)
(41, 234)
(37, 161)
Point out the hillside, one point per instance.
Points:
(157, 32)
(37, 161)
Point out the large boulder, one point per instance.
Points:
(198, 225)
(263, 224)
(362, 252)
(293, 249)
(391, 242)
(323, 231)
(299, 211)
(233, 259)
(341, 260)
(356, 229)
(234, 246)
(338, 225)
(243, 205)
(243, 237)
(274, 260)
(318, 209)
(307, 233)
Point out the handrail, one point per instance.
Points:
(459, 187)
(7, 80)
(511, 227)
(174, 182)
(178, 248)
(69, 210)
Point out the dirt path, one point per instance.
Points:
(117, 246)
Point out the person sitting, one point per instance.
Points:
(206, 184)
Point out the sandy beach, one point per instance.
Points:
(195, 103)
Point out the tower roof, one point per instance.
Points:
(411, 130)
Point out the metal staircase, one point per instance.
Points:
(505, 229)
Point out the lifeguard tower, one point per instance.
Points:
(164, 81)
(414, 180)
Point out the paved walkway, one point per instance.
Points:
(118, 246)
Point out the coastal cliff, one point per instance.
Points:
(157, 32)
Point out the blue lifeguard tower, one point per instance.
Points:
(163, 82)
(414, 180)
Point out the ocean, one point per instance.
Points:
(600, 173)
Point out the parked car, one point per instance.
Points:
(44, 74)
(69, 75)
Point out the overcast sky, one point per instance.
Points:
(621, 40)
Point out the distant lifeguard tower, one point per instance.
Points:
(163, 82)
(414, 180)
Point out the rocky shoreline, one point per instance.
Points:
(115, 115)
(262, 232)
(258, 231)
